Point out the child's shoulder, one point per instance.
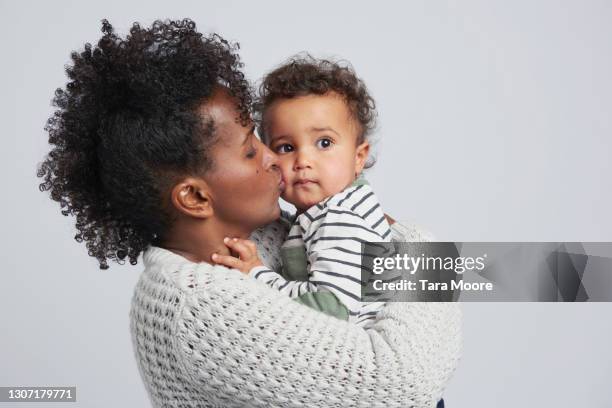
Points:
(357, 200)
(352, 197)
(287, 218)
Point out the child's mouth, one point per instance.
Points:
(304, 182)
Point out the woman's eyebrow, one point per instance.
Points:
(326, 128)
(248, 134)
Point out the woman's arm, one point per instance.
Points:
(244, 343)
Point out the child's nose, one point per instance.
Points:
(302, 161)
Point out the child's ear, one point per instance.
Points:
(361, 155)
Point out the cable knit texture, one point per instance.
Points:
(208, 336)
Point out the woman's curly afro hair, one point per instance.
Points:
(126, 126)
(304, 75)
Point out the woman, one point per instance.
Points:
(153, 151)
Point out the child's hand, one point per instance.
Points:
(247, 255)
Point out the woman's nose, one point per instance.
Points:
(270, 159)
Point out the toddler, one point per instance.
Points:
(317, 115)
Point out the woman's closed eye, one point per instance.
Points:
(283, 148)
(252, 152)
(324, 143)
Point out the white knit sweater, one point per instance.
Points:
(208, 336)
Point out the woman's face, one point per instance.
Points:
(245, 182)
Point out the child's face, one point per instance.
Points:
(315, 137)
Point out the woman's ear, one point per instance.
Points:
(361, 155)
(191, 197)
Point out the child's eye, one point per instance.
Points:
(284, 148)
(324, 143)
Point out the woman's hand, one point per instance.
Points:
(247, 255)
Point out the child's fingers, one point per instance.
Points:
(251, 245)
(227, 260)
(240, 247)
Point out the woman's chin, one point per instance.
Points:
(276, 212)
(272, 215)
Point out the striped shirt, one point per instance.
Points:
(331, 233)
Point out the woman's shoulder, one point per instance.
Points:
(169, 271)
(410, 232)
(270, 238)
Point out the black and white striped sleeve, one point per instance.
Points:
(334, 251)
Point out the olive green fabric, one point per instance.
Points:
(295, 268)
(360, 181)
(295, 263)
(325, 302)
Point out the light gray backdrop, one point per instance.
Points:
(495, 125)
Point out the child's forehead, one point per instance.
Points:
(331, 98)
(312, 110)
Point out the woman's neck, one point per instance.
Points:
(198, 241)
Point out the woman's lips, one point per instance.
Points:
(281, 184)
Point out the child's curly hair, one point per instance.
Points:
(126, 126)
(305, 75)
